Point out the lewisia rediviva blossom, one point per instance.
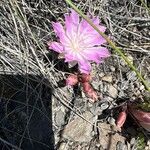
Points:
(79, 42)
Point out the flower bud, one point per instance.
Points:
(72, 80)
(121, 119)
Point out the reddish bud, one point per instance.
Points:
(85, 77)
(121, 119)
(72, 80)
(141, 116)
(89, 91)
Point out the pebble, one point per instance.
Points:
(121, 94)
(112, 121)
(96, 110)
(142, 87)
(121, 146)
(133, 141)
(112, 68)
(101, 74)
(60, 118)
(104, 106)
(63, 146)
(78, 129)
(112, 91)
(96, 85)
(107, 98)
(107, 78)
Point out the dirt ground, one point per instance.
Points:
(37, 110)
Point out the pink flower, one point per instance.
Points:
(79, 42)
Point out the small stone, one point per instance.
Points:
(104, 106)
(60, 118)
(106, 134)
(119, 145)
(101, 74)
(113, 92)
(96, 111)
(107, 78)
(121, 94)
(112, 68)
(96, 85)
(109, 99)
(142, 87)
(63, 146)
(111, 121)
(79, 130)
(133, 141)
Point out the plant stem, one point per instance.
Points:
(144, 4)
(112, 44)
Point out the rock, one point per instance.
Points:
(96, 84)
(79, 130)
(60, 118)
(113, 92)
(121, 93)
(101, 74)
(63, 146)
(132, 141)
(112, 68)
(142, 87)
(107, 98)
(107, 78)
(121, 146)
(104, 106)
(107, 133)
(111, 121)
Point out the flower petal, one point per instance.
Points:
(93, 40)
(75, 17)
(71, 22)
(59, 30)
(96, 54)
(84, 66)
(57, 47)
(85, 29)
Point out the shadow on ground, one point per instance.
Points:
(25, 113)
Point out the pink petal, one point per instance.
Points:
(93, 40)
(96, 53)
(59, 30)
(57, 47)
(95, 20)
(71, 22)
(75, 17)
(85, 28)
(69, 57)
(84, 66)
